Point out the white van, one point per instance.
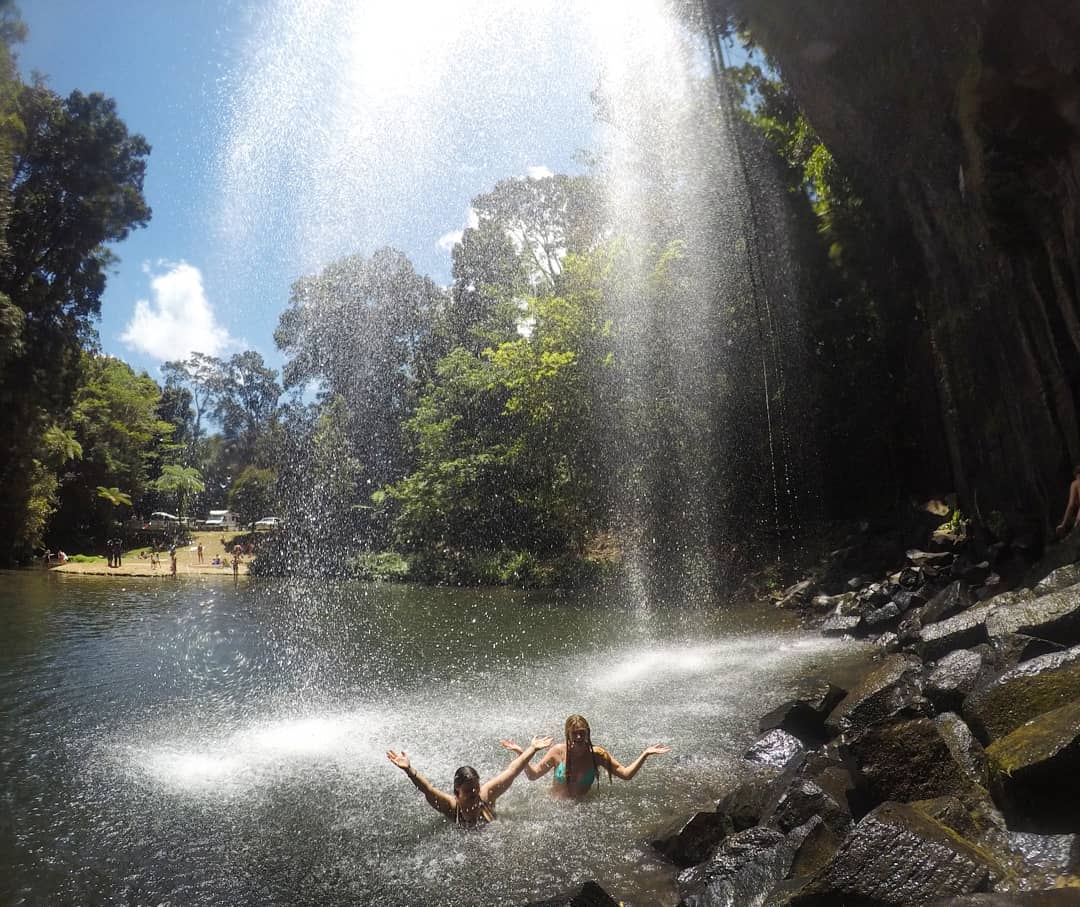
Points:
(222, 519)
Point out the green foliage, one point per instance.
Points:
(252, 494)
(503, 441)
(182, 482)
(362, 329)
(383, 566)
(70, 182)
(112, 435)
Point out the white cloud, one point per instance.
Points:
(447, 241)
(538, 172)
(177, 320)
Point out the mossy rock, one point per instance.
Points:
(1035, 772)
(1023, 692)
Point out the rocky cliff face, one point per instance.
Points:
(960, 123)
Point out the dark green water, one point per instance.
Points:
(196, 742)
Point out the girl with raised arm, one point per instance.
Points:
(577, 762)
(472, 803)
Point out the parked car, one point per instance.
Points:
(268, 522)
(222, 519)
(159, 519)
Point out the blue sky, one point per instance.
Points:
(286, 134)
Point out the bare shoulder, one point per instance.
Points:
(556, 753)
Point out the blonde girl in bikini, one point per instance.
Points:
(577, 762)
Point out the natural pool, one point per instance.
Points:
(205, 742)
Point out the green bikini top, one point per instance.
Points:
(586, 781)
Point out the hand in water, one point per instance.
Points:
(657, 749)
(401, 760)
(513, 747)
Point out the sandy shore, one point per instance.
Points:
(187, 563)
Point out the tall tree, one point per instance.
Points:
(362, 329)
(74, 184)
(115, 423)
(246, 404)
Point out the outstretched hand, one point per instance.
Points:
(401, 760)
(539, 743)
(657, 749)
(513, 747)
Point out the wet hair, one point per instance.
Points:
(578, 721)
(464, 775)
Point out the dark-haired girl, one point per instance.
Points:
(577, 762)
(472, 803)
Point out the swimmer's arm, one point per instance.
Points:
(534, 770)
(499, 784)
(626, 772)
(440, 800)
(1072, 507)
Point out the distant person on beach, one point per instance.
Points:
(199, 552)
(472, 804)
(172, 559)
(236, 563)
(1072, 507)
(577, 762)
(110, 551)
(118, 545)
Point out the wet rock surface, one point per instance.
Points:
(804, 717)
(1023, 692)
(897, 855)
(1035, 772)
(949, 774)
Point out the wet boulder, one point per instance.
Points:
(744, 869)
(897, 855)
(1061, 897)
(953, 599)
(1013, 596)
(907, 760)
(841, 624)
(873, 596)
(807, 797)
(844, 603)
(1035, 772)
(952, 677)
(930, 558)
(776, 749)
(804, 716)
(741, 808)
(1043, 859)
(797, 596)
(1032, 687)
(966, 751)
(906, 599)
(1013, 648)
(1055, 617)
(961, 631)
(696, 840)
(1058, 579)
(893, 688)
(888, 615)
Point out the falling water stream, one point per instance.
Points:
(200, 742)
(203, 743)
